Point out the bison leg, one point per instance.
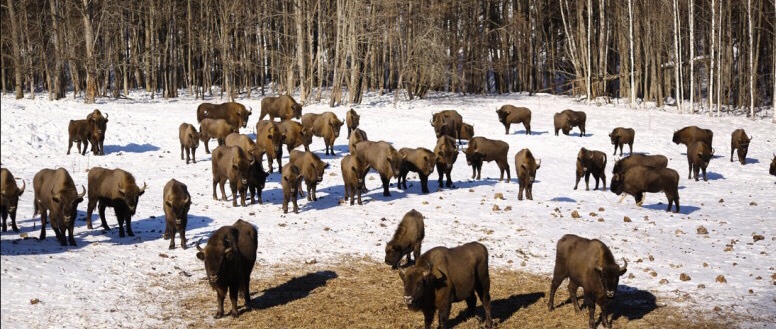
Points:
(423, 183)
(731, 154)
(5, 216)
(315, 190)
(101, 211)
(428, 317)
(233, 189)
(89, 209)
(521, 187)
(630, 146)
(529, 191)
(121, 218)
(296, 207)
(309, 192)
(285, 203)
(386, 182)
(579, 176)
(689, 170)
(527, 126)
(70, 238)
(704, 174)
(207, 149)
(444, 314)
(449, 182)
(128, 221)
(591, 310)
(221, 296)
(69, 145)
(582, 129)
(43, 221)
(587, 181)
(182, 234)
(169, 233)
(557, 278)
(573, 295)
(639, 198)
(506, 127)
(471, 304)
(233, 298)
(193, 154)
(221, 184)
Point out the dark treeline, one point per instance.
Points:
(601, 48)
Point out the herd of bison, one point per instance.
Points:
(436, 278)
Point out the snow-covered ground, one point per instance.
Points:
(116, 282)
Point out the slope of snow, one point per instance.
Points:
(120, 282)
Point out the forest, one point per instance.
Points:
(699, 55)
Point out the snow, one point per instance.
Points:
(121, 282)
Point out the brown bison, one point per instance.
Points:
(56, 199)
(446, 153)
(311, 167)
(482, 149)
(295, 135)
(654, 161)
(114, 188)
(420, 160)
(739, 141)
(291, 178)
(621, 136)
(351, 120)
(283, 107)
(353, 177)
(509, 114)
(690, 134)
(467, 131)
(447, 123)
(215, 128)
(382, 157)
(325, 125)
(772, 170)
(246, 144)
(269, 138)
(699, 155)
(568, 119)
(9, 198)
(177, 201)
(591, 162)
(229, 256)
(189, 138)
(588, 264)
(640, 179)
(233, 164)
(257, 178)
(81, 132)
(525, 167)
(407, 239)
(100, 124)
(356, 136)
(234, 113)
(443, 276)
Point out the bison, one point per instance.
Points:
(351, 120)
(100, 124)
(446, 153)
(269, 138)
(420, 160)
(443, 276)
(640, 179)
(177, 201)
(189, 138)
(739, 141)
(114, 188)
(482, 149)
(257, 177)
(568, 119)
(9, 198)
(353, 177)
(291, 178)
(690, 134)
(382, 157)
(311, 167)
(233, 113)
(233, 164)
(654, 161)
(295, 135)
(467, 131)
(56, 199)
(772, 170)
(588, 264)
(621, 136)
(283, 107)
(591, 162)
(325, 125)
(358, 135)
(525, 167)
(229, 257)
(407, 239)
(509, 114)
(447, 123)
(698, 157)
(215, 128)
(81, 132)
(246, 144)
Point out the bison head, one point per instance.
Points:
(617, 186)
(609, 275)
(677, 139)
(179, 207)
(614, 136)
(502, 114)
(244, 114)
(530, 167)
(393, 254)
(419, 285)
(354, 118)
(297, 110)
(131, 194)
(10, 198)
(66, 204)
(217, 254)
(743, 148)
(335, 125)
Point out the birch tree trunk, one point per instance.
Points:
(692, 56)
(91, 71)
(17, 53)
(632, 64)
(752, 68)
(300, 50)
(589, 51)
(712, 59)
(677, 58)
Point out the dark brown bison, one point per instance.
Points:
(420, 160)
(654, 161)
(234, 113)
(114, 188)
(229, 256)
(189, 138)
(325, 125)
(568, 119)
(640, 179)
(353, 177)
(407, 239)
(482, 149)
(295, 135)
(699, 155)
(352, 120)
(311, 167)
(446, 153)
(81, 132)
(257, 178)
(739, 141)
(269, 138)
(100, 124)
(467, 131)
(382, 157)
(215, 128)
(772, 170)
(233, 164)
(9, 198)
(447, 123)
(291, 178)
(56, 199)
(591, 162)
(356, 136)
(525, 167)
(690, 134)
(621, 136)
(177, 201)
(443, 276)
(588, 264)
(509, 114)
(283, 107)
(246, 144)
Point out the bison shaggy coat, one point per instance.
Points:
(356, 136)
(526, 166)
(447, 123)
(588, 264)
(114, 188)
(295, 135)
(568, 119)
(620, 137)
(215, 128)
(591, 162)
(233, 164)
(699, 155)
(352, 120)
(443, 276)
(257, 178)
(229, 257)
(739, 141)
(81, 132)
(100, 124)
(283, 107)
(407, 239)
(291, 178)
(467, 131)
(311, 167)
(56, 199)
(246, 144)
(690, 134)
(381, 157)
(420, 160)
(353, 177)
(509, 114)
(446, 153)
(482, 149)
(639, 179)
(9, 198)
(325, 125)
(269, 138)
(177, 201)
(189, 138)
(234, 113)
(655, 161)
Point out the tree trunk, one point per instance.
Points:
(16, 51)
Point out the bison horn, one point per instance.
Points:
(83, 192)
(539, 164)
(144, 187)
(187, 199)
(106, 116)
(24, 185)
(624, 267)
(198, 247)
(250, 110)
(712, 151)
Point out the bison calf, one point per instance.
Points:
(588, 264)
(640, 179)
(9, 198)
(482, 149)
(114, 188)
(698, 157)
(420, 160)
(352, 119)
(739, 141)
(189, 138)
(526, 167)
(406, 240)
(177, 201)
(257, 178)
(353, 177)
(591, 162)
(509, 114)
(291, 178)
(621, 136)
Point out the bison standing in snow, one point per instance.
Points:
(407, 239)
(640, 179)
(114, 188)
(10, 194)
(233, 113)
(509, 114)
(739, 141)
(283, 107)
(621, 136)
(591, 162)
(56, 200)
(526, 166)
(189, 138)
(177, 201)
